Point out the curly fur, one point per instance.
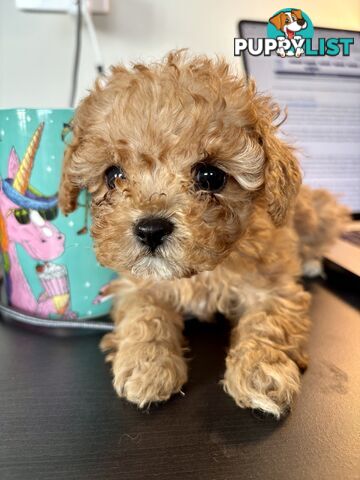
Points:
(236, 251)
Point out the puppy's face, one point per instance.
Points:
(289, 22)
(175, 158)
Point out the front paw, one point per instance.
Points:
(148, 372)
(261, 377)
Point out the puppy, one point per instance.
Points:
(193, 202)
(289, 23)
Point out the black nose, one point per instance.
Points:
(152, 231)
(300, 22)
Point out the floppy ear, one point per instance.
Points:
(278, 20)
(282, 178)
(282, 175)
(76, 168)
(297, 13)
(13, 163)
(69, 187)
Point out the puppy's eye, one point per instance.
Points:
(287, 20)
(209, 178)
(112, 174)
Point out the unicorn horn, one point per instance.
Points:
(22, 178)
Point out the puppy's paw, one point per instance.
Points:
(261, 377)
(313, 268)
(148, 372)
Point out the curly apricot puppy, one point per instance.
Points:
(192, 202)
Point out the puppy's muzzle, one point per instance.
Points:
(152, 231)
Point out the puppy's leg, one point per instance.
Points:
(266, 354)
(146, 350)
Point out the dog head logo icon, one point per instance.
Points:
(290, 26)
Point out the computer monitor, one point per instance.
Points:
(322, 97)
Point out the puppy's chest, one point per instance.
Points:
(209, 293)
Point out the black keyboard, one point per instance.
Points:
(352, 237)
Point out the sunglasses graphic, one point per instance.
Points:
(22, 215)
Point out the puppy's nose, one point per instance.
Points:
(300, 22)
(152, 231)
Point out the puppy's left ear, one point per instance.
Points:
(297, 13)
(282, 178)
(282, 175)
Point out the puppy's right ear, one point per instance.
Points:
(75, 167)
(278, 20)
(69, 187)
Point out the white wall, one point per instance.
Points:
(36, 50)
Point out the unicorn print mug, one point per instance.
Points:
(49, 269)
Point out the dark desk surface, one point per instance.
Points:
(60, 419)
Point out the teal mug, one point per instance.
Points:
(49, 267)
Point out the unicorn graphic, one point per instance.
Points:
(25, 216)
